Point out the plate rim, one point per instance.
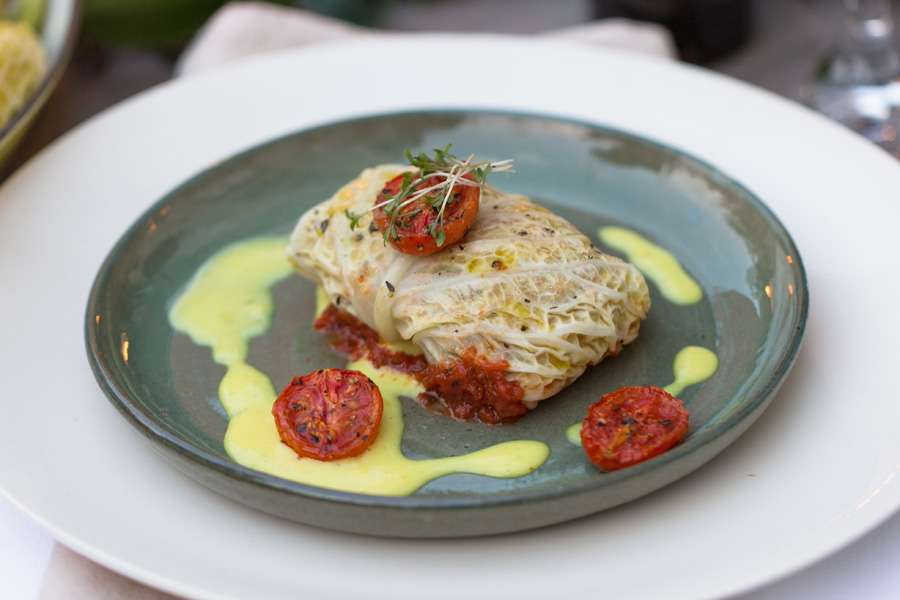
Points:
(158, 434)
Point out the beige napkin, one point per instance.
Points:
(245, 28)
(242, 29)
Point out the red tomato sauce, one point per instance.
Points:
(354, 338)
(471, 387)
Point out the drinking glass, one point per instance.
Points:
(858, 84)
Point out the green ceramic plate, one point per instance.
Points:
(752, 315)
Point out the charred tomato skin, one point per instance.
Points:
(414, 220)
(631, 425)
(329, 414)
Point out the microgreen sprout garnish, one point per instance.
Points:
(434, 182)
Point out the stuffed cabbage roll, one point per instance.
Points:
(524, 288)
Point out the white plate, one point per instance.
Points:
(817, 470)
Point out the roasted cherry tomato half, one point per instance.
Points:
(412, 231)
(329, 414)
(631, 425)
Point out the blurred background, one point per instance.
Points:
(65, 60)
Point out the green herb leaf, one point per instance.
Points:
(353, 218)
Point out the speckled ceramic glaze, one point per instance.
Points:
(752, 315)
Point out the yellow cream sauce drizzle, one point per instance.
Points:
(656, 263)
(226, 304)
(693, 365)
